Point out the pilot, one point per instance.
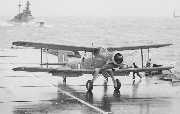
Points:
(135, 66)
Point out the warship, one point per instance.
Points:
(175, 16)
(24, 17)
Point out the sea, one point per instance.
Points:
(104, 32)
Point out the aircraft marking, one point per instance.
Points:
(80, 100)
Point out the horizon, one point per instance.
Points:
(93, 8)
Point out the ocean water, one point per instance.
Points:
(104, 32)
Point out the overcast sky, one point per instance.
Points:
(144, 8)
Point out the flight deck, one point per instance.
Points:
(33, 92)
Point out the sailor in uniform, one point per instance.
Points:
(135, 66)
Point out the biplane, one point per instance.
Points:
(103, 61)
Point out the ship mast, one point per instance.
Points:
(27, 4)
(19, 7)
(174, 15)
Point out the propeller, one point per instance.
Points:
(118, 58)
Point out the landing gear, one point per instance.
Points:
(117, 83)
(106, 78)
(89, 85)
(117, 86)
(116, 94)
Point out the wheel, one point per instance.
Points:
(89, 85)
(118, 85)
(116, 94)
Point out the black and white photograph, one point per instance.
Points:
(89, 57)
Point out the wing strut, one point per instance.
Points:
(41, 57)
(142, 57)
(148, 53)
(47, 56)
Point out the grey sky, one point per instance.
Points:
(151, 8)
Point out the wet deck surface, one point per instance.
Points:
(23, 92)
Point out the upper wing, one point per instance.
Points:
(69, 53)
(81, 48)
(137, 47)
(54, 46)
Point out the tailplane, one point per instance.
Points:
(62, 58)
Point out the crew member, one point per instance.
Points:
(135, 66)
(84, 57)
(148, 64)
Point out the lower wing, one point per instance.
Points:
(142, 69)
(79, 72)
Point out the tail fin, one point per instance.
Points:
(62, 57)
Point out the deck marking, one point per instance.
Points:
(80, 100)
(68, 94)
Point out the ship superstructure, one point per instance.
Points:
(25, 16)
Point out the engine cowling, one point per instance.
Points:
(117, 58)
(113, 60)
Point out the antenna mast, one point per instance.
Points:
(19, 7)
(27, 4)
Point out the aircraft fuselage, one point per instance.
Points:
(103, 60)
